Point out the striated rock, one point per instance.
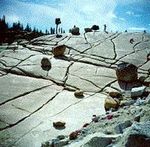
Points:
(111, 103)
(59, 124)
(59, 50)
(46, 64)
(126, 72)
(87, 30)
(79, 93)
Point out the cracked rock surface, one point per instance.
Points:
(31, 99)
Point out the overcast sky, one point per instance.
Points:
(119, 15)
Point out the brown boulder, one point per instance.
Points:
(126, 72)
(59, 124)
(78, 93)
(111, 103)
(59, 50)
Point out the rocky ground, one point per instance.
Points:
(32, 98)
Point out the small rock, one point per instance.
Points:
(61, 137)
(87, 30)
(95, 27)
(109, 116)
(74, 135)
(137, 118)
(126, 72)
(111, 103)
(95, 119)
(59, 143)
(59, 124)
(59, 50)
(115, 94)
(120, 127)
(137, 91)
(46, 64)
(79, 93)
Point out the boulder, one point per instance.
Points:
(87, 30)
(59, 124)
(75, 31)
(98, 142)
(59, 50)
(139, 135)
(74, 135)
(95, 27)
(126, 72)
(46, 64)
(79, 93)
(137, 91)
(111, 103)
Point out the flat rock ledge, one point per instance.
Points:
(34, 94)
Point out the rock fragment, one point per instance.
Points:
(59, 50)
(79, 93)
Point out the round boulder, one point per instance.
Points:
(75, 31)
(111, 103)
(79, 93)
(59, 50)
(46, 64)
(126, 72)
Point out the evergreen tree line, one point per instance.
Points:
(9, 33)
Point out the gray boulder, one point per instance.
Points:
(137, 91)
(98, 142)
(138, 135)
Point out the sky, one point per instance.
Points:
(119, 15)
